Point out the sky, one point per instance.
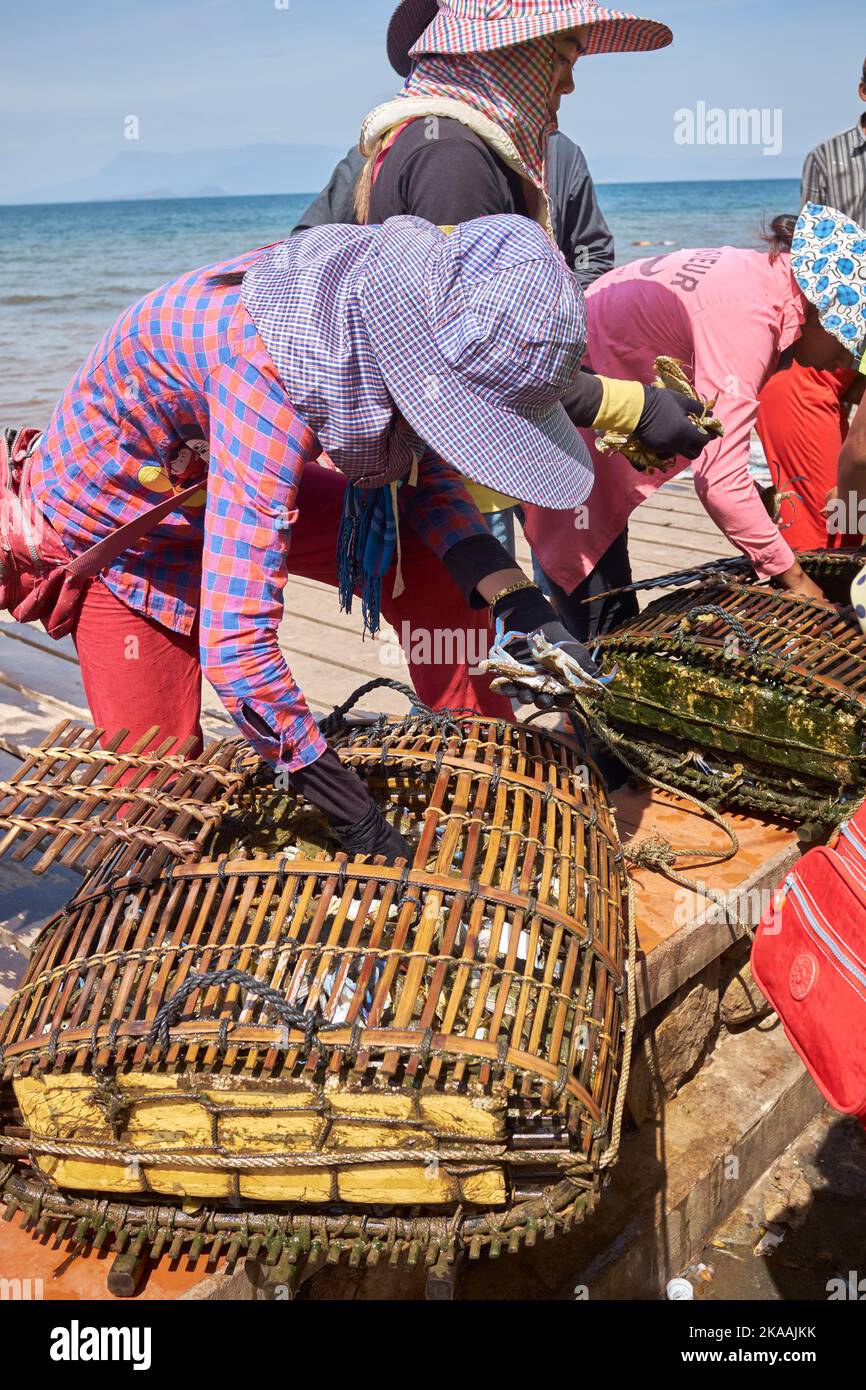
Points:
(207, 74)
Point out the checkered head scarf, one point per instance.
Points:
(304, 296)
(510, 86)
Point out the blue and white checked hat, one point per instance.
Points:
(474, 337)
(478, 336)
(828, 260)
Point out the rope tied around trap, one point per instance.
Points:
(706, 613)
(170, 1011)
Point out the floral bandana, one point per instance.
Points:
(828, 260)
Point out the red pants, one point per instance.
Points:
(138, 674)
(802, 427)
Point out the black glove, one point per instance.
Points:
(528, 611)
(667, 426)
(373, 835)
(357, 823)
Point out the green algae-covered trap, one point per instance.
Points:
(741, 694)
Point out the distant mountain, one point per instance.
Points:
(249, 169)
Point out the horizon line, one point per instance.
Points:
(234, 197)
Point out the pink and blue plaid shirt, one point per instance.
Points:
(181, 388)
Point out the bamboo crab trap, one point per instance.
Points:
(743, 696)
(234, 1040)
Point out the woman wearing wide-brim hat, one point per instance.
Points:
(409, 357)
(736, 316)
(468, 137)
(500, 68)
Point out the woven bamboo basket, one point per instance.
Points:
(234, 1039)
(745, 697)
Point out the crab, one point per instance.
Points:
(669, 374)
(555, 677)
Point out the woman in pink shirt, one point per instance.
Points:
(729, 315)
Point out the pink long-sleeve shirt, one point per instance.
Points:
(182, 389)
(727, 314)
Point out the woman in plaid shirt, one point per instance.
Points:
(390, 349)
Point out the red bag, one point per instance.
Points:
(809, 958)
(850, 844)
(38, 581)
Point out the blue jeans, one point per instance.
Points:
(502, 526)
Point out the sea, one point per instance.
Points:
(67, 270)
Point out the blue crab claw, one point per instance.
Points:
(551, 656)
(521, 680)
(501, 663)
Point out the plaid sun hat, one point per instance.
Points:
(478, 335)
(477, 26)
(828, 260)
(472, 338)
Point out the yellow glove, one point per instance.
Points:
(622, 405)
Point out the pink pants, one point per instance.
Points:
(161, 685)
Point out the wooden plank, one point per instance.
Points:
(654, 519)
(35, 635)
(681, 931)
(304, 637)
(28, 658)
(35, 668)
(328, 659)
(680, 510)
(326, 685)
(674, 557)
(36, 689)
(307, 598)
(325, 648)
(27, 714)
(26, 717)
(695, 543)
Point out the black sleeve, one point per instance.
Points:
(336, 203)
(584, 237)
(473, 559)
(583, 399)
(446, 181)
(334, 788)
